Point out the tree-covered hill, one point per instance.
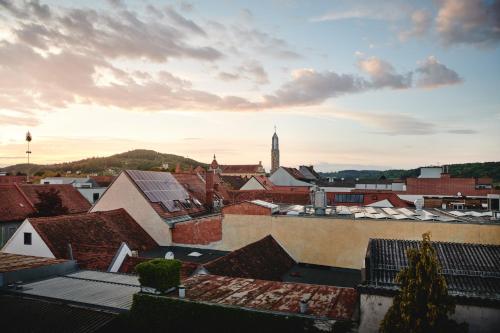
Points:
(140, 159)
(486, 169)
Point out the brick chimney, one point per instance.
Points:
(209, 189)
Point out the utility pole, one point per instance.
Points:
(28, 152)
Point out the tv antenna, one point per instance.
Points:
(28, 152)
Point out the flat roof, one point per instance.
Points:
(323, 275)
(109, 291)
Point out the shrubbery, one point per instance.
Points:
(161, 274)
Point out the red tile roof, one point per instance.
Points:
(71, 198)
(324, 301)
(264, 181)
(264, 259)
(14, 205)
(295, 173)
(234, 182)
(193, 183)
(92, 235)
(241, 168)
(103, 181)
(12, 179)
(13, 262)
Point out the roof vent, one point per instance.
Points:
(318, 199)
(169, 255)
(419, 204)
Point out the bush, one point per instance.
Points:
(161, 274)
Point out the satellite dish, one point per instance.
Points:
(169, 255)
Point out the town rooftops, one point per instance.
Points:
(70, 197)
(94, 237)
(325, 302)
(241, 168)
(471, 270)
(14, 204)
(264, 259)
(234, 182)
(295, 173)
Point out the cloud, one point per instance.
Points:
(421, 23)
(469, 22)
(251, 70)
(432, 74)
(383, 74)
(462, 131)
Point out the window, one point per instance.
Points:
(351, 198)
(95, 197)
(27, 238)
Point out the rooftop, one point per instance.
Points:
(264, 259)
(185, 254)
(471, 270)
(70, 197)
(323, 301)
(13, 262)
(14, 205)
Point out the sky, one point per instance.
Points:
(348, 84)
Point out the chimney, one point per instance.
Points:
(178, 168)
(209, 189)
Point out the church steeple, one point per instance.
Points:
(275, 152)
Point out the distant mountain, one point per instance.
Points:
(486, 169)
(140, 159)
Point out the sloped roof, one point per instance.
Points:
(264, 259)
(14, 205)
(241, 168)
(193, 183)
(264, 181)
(295, 173)
(103, 181)
(70, 197)
(234, 182)
(166, 182)
(92, 235)
(14, 262)
(470, 269)
(308, 172)
(324, 301)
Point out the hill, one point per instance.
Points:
(140, 159)
(486, 169)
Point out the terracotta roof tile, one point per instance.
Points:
(295, 173)
(13, 262)
(264, 259)
(71, 198)
(234, 182)
(241, 168)
(14, 205)
(93, 236)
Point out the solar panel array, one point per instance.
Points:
(163, 188)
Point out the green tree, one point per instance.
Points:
(423, 303)
(49, 203)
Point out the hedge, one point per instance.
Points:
(161, 274)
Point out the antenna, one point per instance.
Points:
(28, 152)
(274, 128)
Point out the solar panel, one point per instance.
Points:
(162, 188)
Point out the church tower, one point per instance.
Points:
(275, 152)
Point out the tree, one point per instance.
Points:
(423, 303)
(50, 203)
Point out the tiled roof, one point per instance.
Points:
(469, 269)
(265, 182)
(103, 181)
(163, 211)
(324, 301)
(13, 262)
(71, 198)
(12, 179)
(14, 205)
(193, 183)
(264, 259)
(93, 236)
(295, 173)
(242, 168)
(309, 172)
(234, 182)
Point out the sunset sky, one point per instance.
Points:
(349, 84)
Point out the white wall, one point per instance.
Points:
(122, 193)
(480, 319)
(37, 248)
(282, 178)
(120, 256)
(252, 184)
